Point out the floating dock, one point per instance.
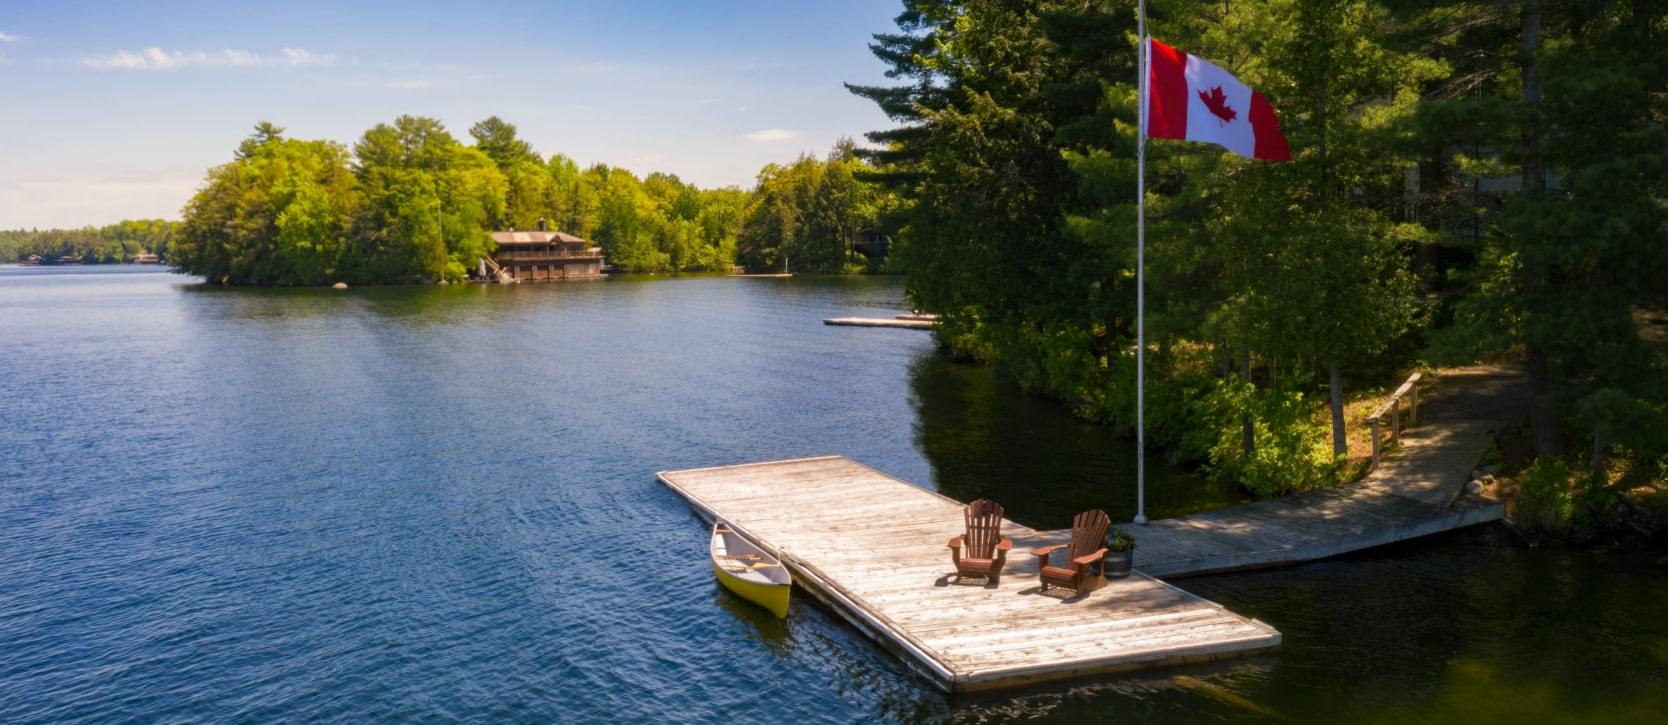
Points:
(873, 548)
(900, 322)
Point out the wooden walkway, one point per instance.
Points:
(1412, 493)
(872, 548)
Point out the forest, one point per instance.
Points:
(410, 203)
(1471, 181)
(110, 244)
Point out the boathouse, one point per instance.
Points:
(543, 256)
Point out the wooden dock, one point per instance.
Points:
(909, 323)
(872, 548)
(1411, 494)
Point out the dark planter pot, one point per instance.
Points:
(1118, 563)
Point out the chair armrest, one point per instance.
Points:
(1005, 545)
(1088, 559)
(955, 543)
(1043, 552)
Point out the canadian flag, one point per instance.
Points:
(1192, 99)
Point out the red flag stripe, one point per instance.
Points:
(1167, 92)
(1271, 144)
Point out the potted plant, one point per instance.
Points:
(1120, 553)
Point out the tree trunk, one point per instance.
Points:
(1340, 444)
(1248, 433)
(1598, 455)
(1548, 436)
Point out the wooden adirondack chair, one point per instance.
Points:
(1087, 547)
(982, 551)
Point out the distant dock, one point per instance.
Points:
(872, 548)
(908, 322)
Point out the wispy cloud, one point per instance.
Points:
(415, 85)
(302, 56)
(154, 58)
(6, 37)
(770, 135)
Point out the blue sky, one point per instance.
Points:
(115, 110)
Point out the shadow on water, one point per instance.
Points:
(986, 438)
(755, 622)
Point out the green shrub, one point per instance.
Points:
(1543, 496)
(1592, 503)
(1291, 449)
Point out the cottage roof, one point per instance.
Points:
(536, 238)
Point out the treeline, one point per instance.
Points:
(1470, 181)
(110, 244)
(806, 216)
(410, 203)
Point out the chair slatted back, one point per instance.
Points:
(1088, 532)
(984, 528)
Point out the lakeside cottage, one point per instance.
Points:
(542, 256)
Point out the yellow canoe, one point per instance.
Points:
(749, 572)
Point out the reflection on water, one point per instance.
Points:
(439, 503)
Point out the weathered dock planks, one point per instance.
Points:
(1412, 493)
(872, 547)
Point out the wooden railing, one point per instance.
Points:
(1393, 409)
(503, 256)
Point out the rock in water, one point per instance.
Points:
(1474, 488)
(339, 285)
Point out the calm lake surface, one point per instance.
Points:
(438, 503)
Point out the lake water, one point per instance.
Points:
(438, 503)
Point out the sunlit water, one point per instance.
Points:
(438, 503)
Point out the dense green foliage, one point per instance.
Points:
(109, 244)
(411, 203)
(804, 216)
(1014, 167)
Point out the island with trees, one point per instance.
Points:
(410, 203)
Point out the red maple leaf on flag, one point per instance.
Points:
(1217, 104)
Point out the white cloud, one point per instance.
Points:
(770, 135)
(6, 37)
(302, 56)
(154, 58)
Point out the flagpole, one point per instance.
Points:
(1140, 264)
